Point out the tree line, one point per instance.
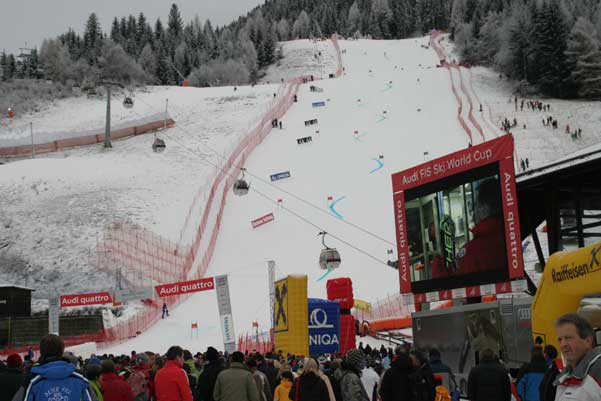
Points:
(549, 45)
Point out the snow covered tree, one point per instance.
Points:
(283, 30)
(148, 60)
(55, 60)
(584, 56)
(117, 65)
(302, 26)
(381, 17)
(354, 18)
(159, 31)
(11, 67)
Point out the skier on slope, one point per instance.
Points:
(165, 310)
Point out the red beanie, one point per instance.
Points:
(14, 361)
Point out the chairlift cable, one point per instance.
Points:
(345, 221)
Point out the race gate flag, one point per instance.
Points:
(279, 176)
(96, 298)
(262, 220)
(185, 287)
(324, 327)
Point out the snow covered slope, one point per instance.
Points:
(393, 80)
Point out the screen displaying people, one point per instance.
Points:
(457, 231)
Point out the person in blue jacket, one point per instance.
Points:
(531, 375)
(54, 378)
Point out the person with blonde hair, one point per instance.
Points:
(309, 386)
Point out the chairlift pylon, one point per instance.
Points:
(241, 187)
(329, 258)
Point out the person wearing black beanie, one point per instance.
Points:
(208, 377)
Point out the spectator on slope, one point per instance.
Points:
(488, 381)
(260, 380)
(370, 379)
(11, 377)
(114, 387)
(43, 382)
(92, 373)
(236, 383)
(282, 391)
(531, 376)
(139, 377)
(581, 380)
(547, 387)
(309, 386)
(208, 377)
(351, 387)
(396, 384)
(422, 379)
(171, 381)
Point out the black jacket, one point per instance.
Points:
(311, 388)
(335, 385)
(547, 388)
(489, 381)
(424, 386)
(10, 381)
(396, 384)
(207, 380)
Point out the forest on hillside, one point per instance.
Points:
(551, 46)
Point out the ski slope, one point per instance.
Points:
(337, 163)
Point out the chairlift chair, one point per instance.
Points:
(241, 187)
(329, 258)
(128, 102)
(158, 145)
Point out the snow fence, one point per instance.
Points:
(60, 144)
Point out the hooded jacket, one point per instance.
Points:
(57, 380)
(583, 382)
(11, 380)
(529, 381)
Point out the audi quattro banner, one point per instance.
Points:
(456, 220)
(96, 298)
(185, 287)
(324, 327)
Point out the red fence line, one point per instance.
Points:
(61, 144)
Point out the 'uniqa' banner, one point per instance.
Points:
(324, 327)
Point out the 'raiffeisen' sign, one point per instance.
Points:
(324, 327)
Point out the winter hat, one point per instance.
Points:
(355, 359)
(212, 354)
(142, 358)
(14, 361)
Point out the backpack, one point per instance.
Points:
(137, 382)
(442, 394)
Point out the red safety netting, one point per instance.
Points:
(61, 144)
(250, 343)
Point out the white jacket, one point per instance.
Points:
(582, 383)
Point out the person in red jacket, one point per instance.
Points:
(114, 388)
(171, 382)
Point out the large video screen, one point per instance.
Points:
(457, 222)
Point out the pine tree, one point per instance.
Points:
(354, 18)
(584, 58)
(163, 69)
(115, 31)
(11, 66)
(549, 46)
(93, 39)
(123, 29)
(159, 32)
(4, 65)
(175, 26)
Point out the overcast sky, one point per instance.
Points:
(31, 21)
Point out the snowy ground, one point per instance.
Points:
(303, 58)
(392, 102)
(54, 207)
